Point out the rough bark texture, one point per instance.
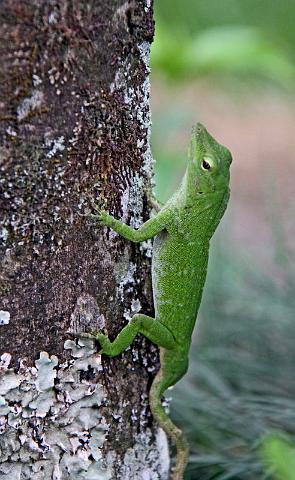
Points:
(74, 127)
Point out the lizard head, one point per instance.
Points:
(209, 162)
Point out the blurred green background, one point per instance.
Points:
(231, 65)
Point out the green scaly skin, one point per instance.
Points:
(182, 230)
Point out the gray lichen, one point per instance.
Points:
(56, 145)
(4, 317)
(155, 461)
(50, 422)
(51, 425)
(29, 104)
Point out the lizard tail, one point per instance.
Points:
(182, 450)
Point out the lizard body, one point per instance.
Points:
(182, 230)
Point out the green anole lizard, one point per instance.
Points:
(182, 229)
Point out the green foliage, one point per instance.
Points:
(230, 39)
(239, 51)
(275, 19)
(279, 455)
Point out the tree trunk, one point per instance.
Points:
(74, 126)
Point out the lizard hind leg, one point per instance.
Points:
(182, 450)
(149, 327)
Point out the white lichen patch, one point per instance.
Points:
(147, 248)
(125, 276)
(50, 421)
(56, 145)
(4, 317)
(30, 104)
(148, 5)
(132, 201)
(135, 305)
(4, 407)
(124, 273)
(53, 17)
(134, 308)
(10, 131)
(142, 462)
(5, 360)
(36, 80)
(4, 234)
(46, 371)
(164, 455)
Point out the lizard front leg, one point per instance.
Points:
(148, 230)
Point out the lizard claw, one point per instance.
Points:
(98, 206)
(94, 336)
(101, 214)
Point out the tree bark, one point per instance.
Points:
(74, 126)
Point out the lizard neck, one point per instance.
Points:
(209, 206)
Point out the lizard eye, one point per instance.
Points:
(207, 163)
